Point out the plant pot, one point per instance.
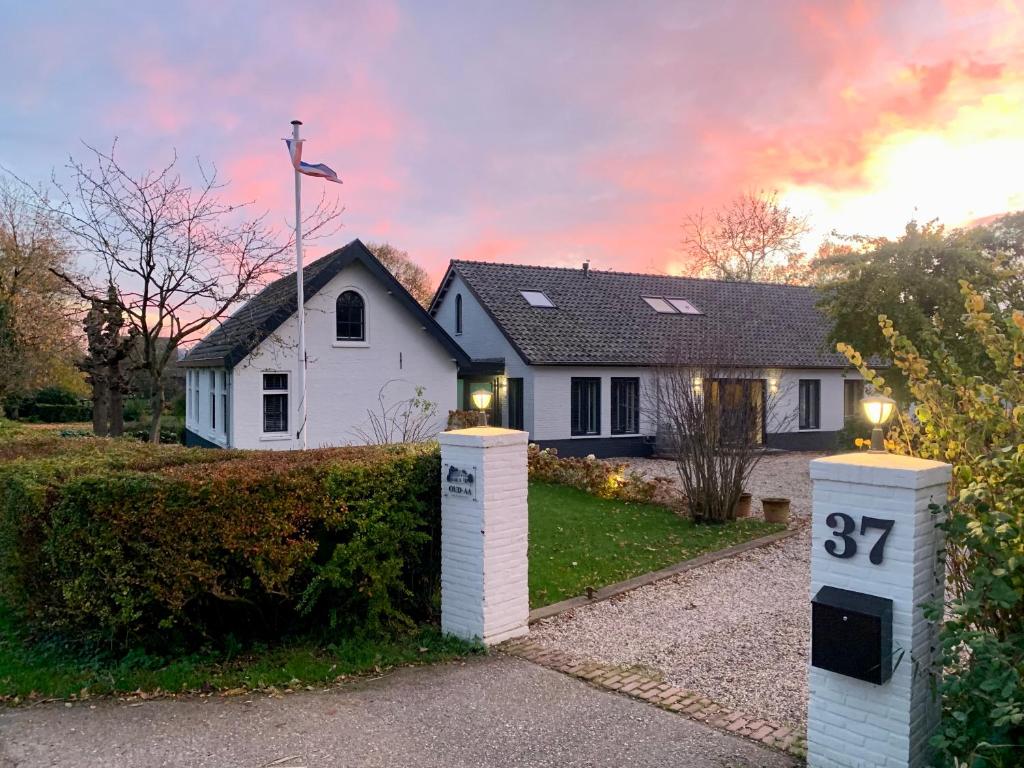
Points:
(742, 508)
(776, 510)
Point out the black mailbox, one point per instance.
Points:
(851, 633)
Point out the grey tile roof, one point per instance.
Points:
(259, 317)
(601, 318)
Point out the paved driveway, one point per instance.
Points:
(495, 711)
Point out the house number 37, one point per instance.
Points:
(845, 526)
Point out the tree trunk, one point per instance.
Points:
(116, 405)
(100, 405)
(157, 404)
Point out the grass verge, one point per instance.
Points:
(37, 671)
(579, 541)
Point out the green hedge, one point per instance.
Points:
(124, 545)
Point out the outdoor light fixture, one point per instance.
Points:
(482, 400)
(773, 385)
(878, 409)
(698, 385)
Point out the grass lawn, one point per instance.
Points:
(579, 541)
(42, 672)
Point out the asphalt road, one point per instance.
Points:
(494, 711)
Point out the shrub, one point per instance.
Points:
(975, 422)
(53, 405)
(599, 477)
(167, 547)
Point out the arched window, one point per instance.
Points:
(458, 313)
(351, 317)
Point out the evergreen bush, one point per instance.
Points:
(127, 546)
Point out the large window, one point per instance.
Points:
(810, 403)
(853, 393)
(515, 403)
(586, 406)
(458, 313)
(224, 402)
(275, 402)
(351, 317)
(625, 406)
(213, 400)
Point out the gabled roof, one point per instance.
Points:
(241, 333)
(601, 318)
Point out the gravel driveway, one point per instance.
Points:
(737, 630)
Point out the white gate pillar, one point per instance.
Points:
(484, 588)
(873, 564)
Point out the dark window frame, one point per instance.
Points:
(850, 406)
(591, 387)
(515, 403)
(276, 393)
(809, 404)
(350, 318)
(458, 314)
(621, 411)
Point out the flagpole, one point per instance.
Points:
(300, 293)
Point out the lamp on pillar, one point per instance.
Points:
(878, 409)
(482, 400)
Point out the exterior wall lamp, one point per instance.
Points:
(878, 409)
(698, 386)
(482, 400)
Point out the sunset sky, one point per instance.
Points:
(540, 132)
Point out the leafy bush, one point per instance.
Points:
(51, 405)
(599, 477)
(975, 422)
(167, 547)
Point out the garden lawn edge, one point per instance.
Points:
(621, 587)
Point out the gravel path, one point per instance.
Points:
(737, 630)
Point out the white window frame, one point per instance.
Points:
(287, 392)
(341, 343)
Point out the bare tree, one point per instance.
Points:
(38, 340)
(410, 420)
(753, 237)
(178, 256)
(712, 420)
(411, 275)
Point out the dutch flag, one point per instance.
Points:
(321, 170)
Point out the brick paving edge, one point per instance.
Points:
(643, 687)
(613, 590)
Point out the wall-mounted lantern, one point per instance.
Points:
(878, 409)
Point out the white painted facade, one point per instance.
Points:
(547, 394)
(852, 723)
(343, 378)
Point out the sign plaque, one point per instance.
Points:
(458, 481)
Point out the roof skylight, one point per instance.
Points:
(671, 306)
(537, 299)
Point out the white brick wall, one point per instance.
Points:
(851, 723)
(484, 587)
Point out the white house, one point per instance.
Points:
(569, 353)
(367, 341)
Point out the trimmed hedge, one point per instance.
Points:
(130, 545)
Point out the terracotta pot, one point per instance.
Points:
(776, 510)
(742, 508)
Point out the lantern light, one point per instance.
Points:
(482, 400)
(878, 409)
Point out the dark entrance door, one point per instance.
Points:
(739, 407)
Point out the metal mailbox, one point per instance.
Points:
(851, 634)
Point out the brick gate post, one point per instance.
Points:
(873, 564)
(484, 589)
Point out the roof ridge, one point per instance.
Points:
(593, 271)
